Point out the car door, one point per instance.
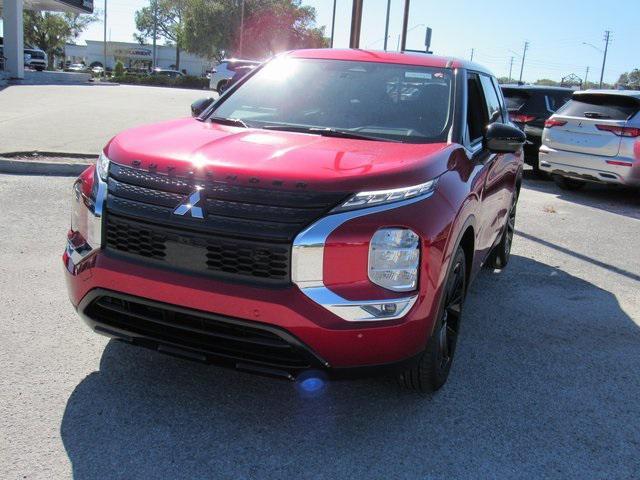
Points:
(483, 108)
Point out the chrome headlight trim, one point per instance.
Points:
(307, 261)
(78, 253)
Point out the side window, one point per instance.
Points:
(476, 109)
(491, 97)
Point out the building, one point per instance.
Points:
(134, 56)
(13, 26)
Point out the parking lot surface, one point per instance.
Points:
(82, 119)
(545, 383)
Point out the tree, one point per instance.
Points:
(50, 31)
(546, 82)
(212, 28)
(630, 79)
(168, 16)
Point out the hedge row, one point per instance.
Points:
(186, 81)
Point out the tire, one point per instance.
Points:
(221, 87)
(499, 256)
(568, 183)
(40, 69)
(433, 367)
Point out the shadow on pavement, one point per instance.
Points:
(545, 383)
(611, 198)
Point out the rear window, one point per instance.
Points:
(557, 100)
(608, 107)
(515, 99)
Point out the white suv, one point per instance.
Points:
(224, 71)
(35, 58)
(595, 137)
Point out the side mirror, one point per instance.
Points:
(501, 138)
(200, 106)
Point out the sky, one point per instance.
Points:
(495, 29)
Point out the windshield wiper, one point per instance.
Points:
(235, 122)
(328, 132)
(596, 115)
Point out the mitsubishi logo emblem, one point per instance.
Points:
(190, 206)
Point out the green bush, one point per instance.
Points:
(119, 70)
(187, 81)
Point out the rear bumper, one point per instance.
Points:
(590, 168)
(335, 345)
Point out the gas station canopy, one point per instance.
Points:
(13, 26)
(72, 6)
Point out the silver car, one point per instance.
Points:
(595, 137)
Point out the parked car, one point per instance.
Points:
(35, 59)
(529, 107)
(320, 223)
(225, 70)
(76, 67)
(239, 73)
(595, 137)
(165, 72)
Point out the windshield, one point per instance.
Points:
(378, 100)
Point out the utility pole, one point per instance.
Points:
(155, 32)
(386, 26)
(607, 37)
(356, 24)
(510, 68)
(524, 54)
(472, 52)
(333, 21)
(586, 74)
(105, 38)
(241, 26)
(405, 24)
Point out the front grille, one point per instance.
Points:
(197, 334)
(246, 232)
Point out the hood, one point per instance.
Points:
(264, 158)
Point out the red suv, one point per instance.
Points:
(327, 213)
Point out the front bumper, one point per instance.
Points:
(590, 168)
(338, 343)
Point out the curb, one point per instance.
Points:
(21, 167)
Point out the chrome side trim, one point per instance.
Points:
(307, 259)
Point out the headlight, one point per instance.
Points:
(394, 257)
(102, 166)
(379, 197)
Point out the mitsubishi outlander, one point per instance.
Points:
(327, 213)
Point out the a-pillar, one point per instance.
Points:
(13, 38)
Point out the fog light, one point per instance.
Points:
(394, 256)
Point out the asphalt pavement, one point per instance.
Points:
(83, 118)
(545, 383)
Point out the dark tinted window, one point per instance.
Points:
(614, 107)
(556, 100)
(491, 98)
(399, 102)
(476, 108)
(515, 98)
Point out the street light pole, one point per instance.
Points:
(155, 32)
(241, 26)
(386, 26)
(405, 24)
(356, 24)
(333, 21)
(105, 39)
